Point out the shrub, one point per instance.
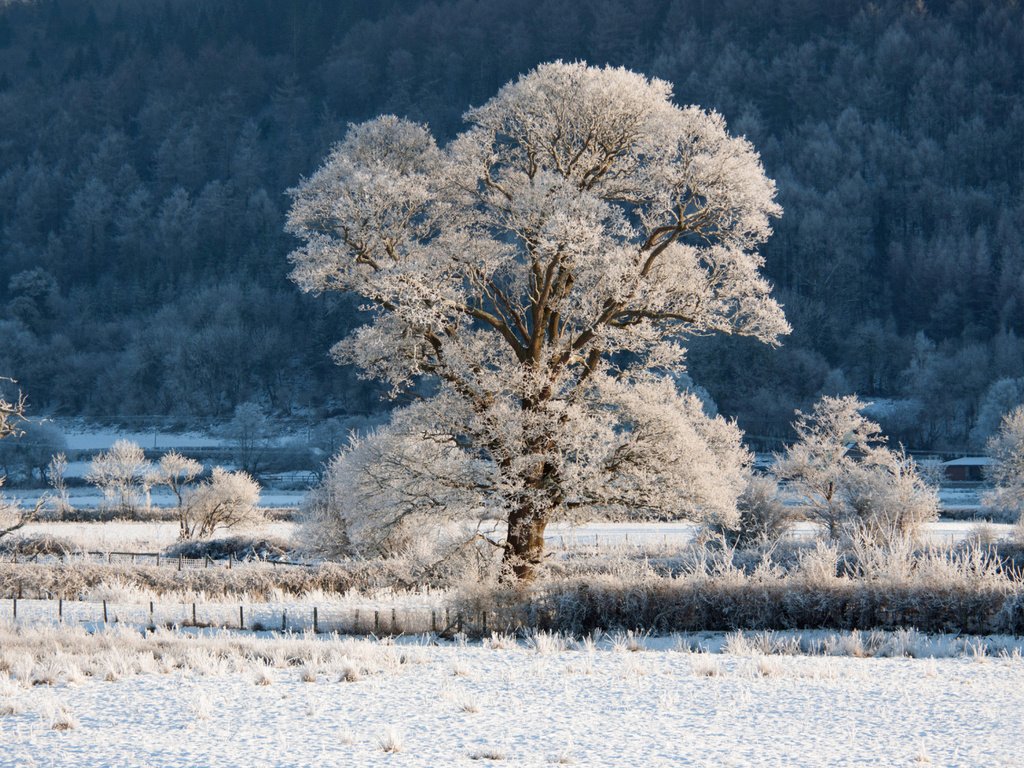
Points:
(226, 500)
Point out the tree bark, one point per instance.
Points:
(524, 545)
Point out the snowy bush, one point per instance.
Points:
(763, 516)
(226, 500)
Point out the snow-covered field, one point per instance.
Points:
(130, 536)
(466, 705)
(126, 536)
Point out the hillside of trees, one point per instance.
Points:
(146, 151)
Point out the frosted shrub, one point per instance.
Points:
(763, 517)
(226, 500)
(391, 741)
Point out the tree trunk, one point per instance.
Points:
(524, 545)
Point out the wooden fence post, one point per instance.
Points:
(151, 614)
(179, 562)
(104, 611)
(394, 620)
(241, 617)
(14, 601)
(433, 620)
(60, 609)
(316, 622)
(194, 622)
(284, 619)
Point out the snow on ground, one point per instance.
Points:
(99, 439)
(92, 498)
(129, 536)
(132, 536)
(454, 705)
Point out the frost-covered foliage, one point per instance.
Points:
(176, 472)
(847, 479)
(542, 271)
(122, 473)
(226, 500)
(1006, 449)
(763, 517)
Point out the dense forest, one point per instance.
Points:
(146, 151)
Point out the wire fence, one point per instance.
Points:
(157, 559)
(263, 617)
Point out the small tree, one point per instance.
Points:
(226, 500)
(846, 478)
(1006, 449)
(176, 472)
(122, 473)
(56, 473)
(249, 430)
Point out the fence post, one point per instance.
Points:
(376, 622)
(284, 619)
(60, 609)
(157, 559)
(14, 601)
(231, 559)
(316, 622)
(433, 620)
(179, 561)
(194, 622)
(207, 563)
(104, 611)
(394, 620)
(108, 558)
(241, 618)
(151, 614)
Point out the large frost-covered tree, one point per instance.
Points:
(534, 280)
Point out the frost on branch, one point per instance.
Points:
(542, 269)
